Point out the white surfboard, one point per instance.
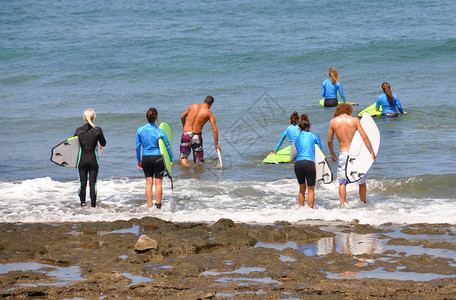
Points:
(66, 154)
(324, 172)
(359, 158)
(220, 158)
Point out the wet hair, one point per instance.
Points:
(152, 115)
(89, 117)
(386, 87)
(209, 100)
(343, 108)
(304, 123)
(294, 119)
(334, 75)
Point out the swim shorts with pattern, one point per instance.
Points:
(341, 177)
(189, 141)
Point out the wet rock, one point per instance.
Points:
(145, 243)
(223, 223)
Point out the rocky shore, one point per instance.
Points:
(227, 260)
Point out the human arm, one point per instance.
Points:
(323, 92)
(214, 131)
(101, 138)
(341, 92)
(318, 141)
(184, 116)
(330, 142)
(378, 103)
(398, 105)
(138, 149)
(282, 138)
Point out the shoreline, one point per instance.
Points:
(227, 259)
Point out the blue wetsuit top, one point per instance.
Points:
(291, 132)
(305, 145)
(148, 136)
(388, 108)
(329, 90)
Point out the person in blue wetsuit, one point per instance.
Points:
(305, 161)
(329, 89)
(292, 133)
(152, 162)
(389, 102)
(89, 137)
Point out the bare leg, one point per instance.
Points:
(149, 186)
(311, 196)
(302, 194)
(362, 192)
(158, 190)
(343, 193)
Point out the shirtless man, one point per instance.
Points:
(345, 126)
(193, 120)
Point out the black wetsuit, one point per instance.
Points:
(89, 137)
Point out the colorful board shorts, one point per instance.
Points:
(189, 141)
(341, 177)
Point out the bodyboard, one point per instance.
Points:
(359, 159)
(282, 156)
(371, 111)
(66, 154)
(164, 151)
(322, 167)
(322, 103)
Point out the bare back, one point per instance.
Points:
(344, 126)
(195, 117)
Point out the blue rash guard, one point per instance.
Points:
(148, 136)
(291, 132)
(388, 108)
(329, 90)
(305, 145)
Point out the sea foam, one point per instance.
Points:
(192, 200)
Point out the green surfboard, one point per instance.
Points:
(282, 156)
(371, 111)
(164, 151)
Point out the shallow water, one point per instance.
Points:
(261, 61)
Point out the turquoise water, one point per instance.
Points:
(260, 60)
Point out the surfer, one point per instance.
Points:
(345, 126)
(292, 133)
(89, 136)
(329, 88)
(305, 161)
(152, 162)
(193, 121)
(389, 102)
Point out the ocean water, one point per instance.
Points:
(261, 60)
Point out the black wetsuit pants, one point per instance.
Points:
(88, 167)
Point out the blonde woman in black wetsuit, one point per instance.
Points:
(89, 136)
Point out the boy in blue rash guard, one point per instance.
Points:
(292, 133)
(329, 89)
(305, 161)
(152, 162)
(389, 101)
